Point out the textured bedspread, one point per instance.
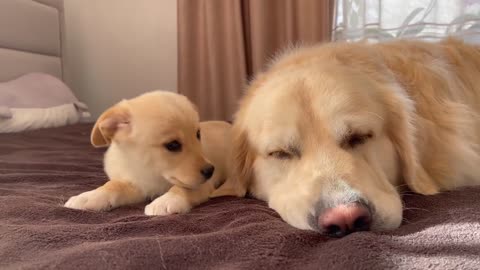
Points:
(39, 170)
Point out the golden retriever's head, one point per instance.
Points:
(325, 144)
(156, 132)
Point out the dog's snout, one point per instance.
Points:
(344, 219)
(207, 171)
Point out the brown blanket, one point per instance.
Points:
(39, 170)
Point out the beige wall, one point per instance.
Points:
(120, 48)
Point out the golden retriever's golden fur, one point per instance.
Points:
(341, 122)
(157, 147)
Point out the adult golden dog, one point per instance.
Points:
(329, 134)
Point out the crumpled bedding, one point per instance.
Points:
(40, 170)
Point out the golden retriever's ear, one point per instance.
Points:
(241, 166)
(113, 120)
(403, 134)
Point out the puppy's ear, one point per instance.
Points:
(401, 130)
(112, 121)
(241, 160)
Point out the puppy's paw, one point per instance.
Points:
(167, 204)
(91, 200)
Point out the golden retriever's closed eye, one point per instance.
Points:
(329, 134)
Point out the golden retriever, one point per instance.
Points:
(157, 147)
(328, 135)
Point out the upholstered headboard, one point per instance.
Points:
(31, 35)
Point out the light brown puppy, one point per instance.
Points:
(157, 147)
(329, 133)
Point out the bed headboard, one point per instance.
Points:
(31, 35)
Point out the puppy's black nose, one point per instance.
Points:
(207, 171)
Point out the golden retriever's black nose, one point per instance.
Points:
(344, 219)
(207, 171)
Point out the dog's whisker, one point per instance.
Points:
(412, 222)
(415, 208)
(375, 114)
(407, 221)
(408, 194)
(401, 186)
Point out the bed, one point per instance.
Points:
(41, 169)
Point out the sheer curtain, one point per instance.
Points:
(378, 20)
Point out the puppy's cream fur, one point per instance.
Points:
(139, 166)
(417, 104)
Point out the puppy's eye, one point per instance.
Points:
(356, 140)
(280, 155)
(198, 135)
(173, 146)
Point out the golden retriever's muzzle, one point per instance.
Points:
(343, 218)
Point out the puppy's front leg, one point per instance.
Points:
(111, 195)
(179, 200)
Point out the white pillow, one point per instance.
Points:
(38, 100)
(34, 118)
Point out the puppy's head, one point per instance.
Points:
(325, 144)
(158, 131)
